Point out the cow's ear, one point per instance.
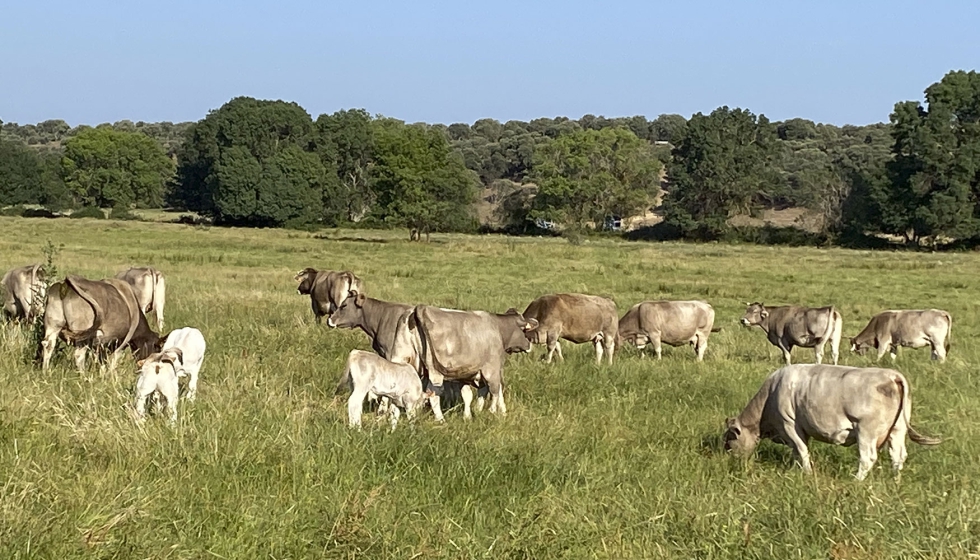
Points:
(179, 354)
(140, 363)
(359, 300)
(531, 324)
(764, 314)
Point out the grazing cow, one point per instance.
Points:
(159, 373)
(469, 346)
(671, 322)
(150, 289)
(95, 313)
(369, 373)
(23, 291)
(191, 345)
(789, 326)
(833, 404)
(327, 289)
(911, 328)
(575, 317)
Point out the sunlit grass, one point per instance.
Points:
(609, 462)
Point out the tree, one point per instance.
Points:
(105, 168)
(719, 164)
(252, 163)
(345, 142)
(419, 181)
(20, 174)
(934, 177)
(668, 128)
(591, 175)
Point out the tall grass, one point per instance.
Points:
(607, 462)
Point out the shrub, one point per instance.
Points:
(88, 212)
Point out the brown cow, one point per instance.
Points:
(578, 318)
(95, 313)
(670, 322)
(469, 346)
(833, 404)
(910, 328)
(791, 325)
(327, 289)
(23, 291)
(150, 288)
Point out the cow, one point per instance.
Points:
(671, 322)
(150, 289)
(95, 313)
(24, 290)
(791, 325)
(470, 347)
(834, 404)
(159, 373)
(578, 318)
(191, 344)
(910, 328)
(368, 373)
(327, 289)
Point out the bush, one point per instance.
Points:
(772, 235)
(122, 213)
(38, 213)
(88, 212)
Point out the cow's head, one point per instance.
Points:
(755, 314)
(859, 347)
(346, 284)
(350, 312)
(144, 346)
(514, 331)
(305, 278)
(737, 439)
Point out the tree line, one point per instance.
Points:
(270, 164)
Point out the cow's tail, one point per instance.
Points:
(905, 413)
(159, 298)
(92, 332)
(834, 329)
(345, 379)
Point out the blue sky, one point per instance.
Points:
(829, 61)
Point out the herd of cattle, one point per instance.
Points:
(420, 351)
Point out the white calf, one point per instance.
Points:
(191, 344)
(367, 372)
(158, 372)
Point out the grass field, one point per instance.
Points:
(590, 462)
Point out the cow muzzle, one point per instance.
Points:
(330, 323)
(745, 322)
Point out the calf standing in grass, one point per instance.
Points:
(367, 372)
(833, 404)
(159, 373)
(191, 344)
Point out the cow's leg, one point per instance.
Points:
(80, 353)
(355, 405)
(553, 346)
(192, 384)
(482, 392)
(598, 350)
(114, 360)
(657, 346)
(393, 414)
(700, 345)
(143, 390)
(435, 403)
(896, 446)
(610, 343)
(939, 350)
(818, 350)
(466, 392)
(798, 442)
(48, 344)
(787, 357)
(868, 449)
(171, 391)
(497, 390)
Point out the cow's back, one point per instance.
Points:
(458, 342)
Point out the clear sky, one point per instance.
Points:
(830, 61)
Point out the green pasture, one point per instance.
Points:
(590, 462)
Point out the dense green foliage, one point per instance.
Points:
(106, 168)
(419, 182)
(615, 462)
(594, 175)
(721, 162)
(268, 163)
